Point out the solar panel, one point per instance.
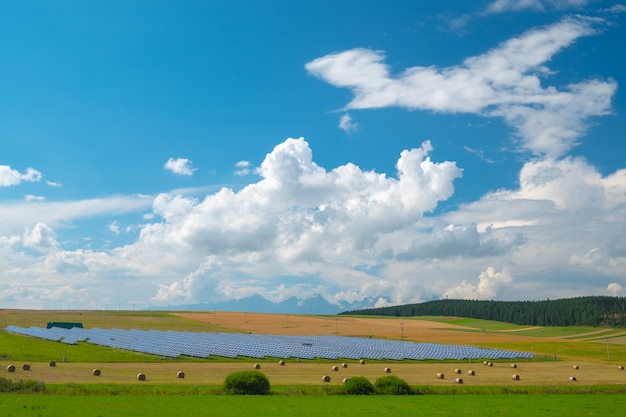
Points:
(204, 344)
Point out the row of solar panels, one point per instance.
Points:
(203, 344)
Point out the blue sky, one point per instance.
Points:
(156, 153)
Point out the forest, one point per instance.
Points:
(599, 311)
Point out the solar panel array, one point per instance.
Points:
(230, 345)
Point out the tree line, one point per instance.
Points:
(579, 311)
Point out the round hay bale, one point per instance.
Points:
(515, 377)
(362, 361)
(11, 368)
(440, 375)
(471, 372)
(325, 378)
(344, 365)
(489, 363)
(458, 371)
(53, 364)
(281, 363)
(26, 367)
(388, 370)
(458, 381)
(257, 366)
(485, 363)
(96, 372)
(513, 365)
(345, 380)
(575, 367)
(141, 377)
(621, 367)
(335, 368)
(180, 374)
(572, 378)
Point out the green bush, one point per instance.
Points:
(358, 385)
(392, 385)
(247, 383)
(29, 386)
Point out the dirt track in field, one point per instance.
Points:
(391, 328)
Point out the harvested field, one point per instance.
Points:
(301, 373)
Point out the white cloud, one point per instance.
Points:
(490, 283)
(346, 123)
(10, 177)
(114, 228)
(41, 237)
(503, 82)
(502, 6)
(18, 216)
(180, 166)
(243, 168)
(614, 288)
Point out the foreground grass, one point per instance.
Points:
(522, 405)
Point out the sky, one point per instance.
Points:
(160, 153)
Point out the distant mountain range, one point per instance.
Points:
(316, 304)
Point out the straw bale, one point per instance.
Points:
(180, 374)
(440, 375)
(335, 368)
(515, 377)
(326, 378)
(471, 372)
(257, 366)
(575, 367)
(26, 367)
(344, 365)
(458, 381)
(11, 368)
(388, 370)
(141, 377)
(281, 363)
(514, 365)
(458, 371)
(96, 372)
(345, 380)
(53, 364)
(572, 378)
(621, 367)
(362, 361)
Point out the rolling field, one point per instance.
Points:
(590, 355)
(569, 345)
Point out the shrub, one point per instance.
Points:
(392, 385)
(358, 385)
(29, 386)
(247, 383)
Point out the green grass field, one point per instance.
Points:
(518, 405)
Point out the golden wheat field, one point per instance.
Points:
(573, 366)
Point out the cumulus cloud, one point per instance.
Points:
(300, 213)
(10, 176)
(614, 288)
(490, 283)
(180, 166)
(458, 241)
(41, 237)
(503, 82)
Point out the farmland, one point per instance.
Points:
(566, 360)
